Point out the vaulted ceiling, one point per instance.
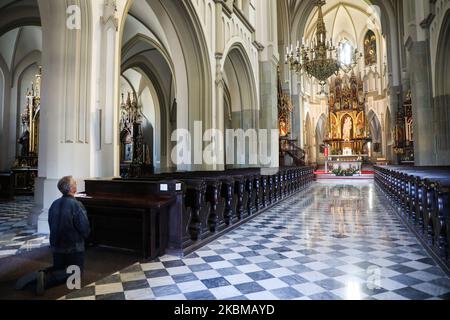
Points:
(17, 13)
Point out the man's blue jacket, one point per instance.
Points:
(69, 225)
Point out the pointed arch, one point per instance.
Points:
(320, 134)
(180, 37)
(375, 126)
(240, 98)
(442, 78)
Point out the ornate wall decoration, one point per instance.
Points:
(370, 48)
(285, 109)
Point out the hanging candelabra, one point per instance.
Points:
(320, 59)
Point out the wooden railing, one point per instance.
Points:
(289, 147)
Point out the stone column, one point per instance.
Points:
(267, 38)
(5, 123)
(268, 118)
(424, 142)
(219, 117)
(218, 113)
(396, 101)
(65, 131)
(104, 101)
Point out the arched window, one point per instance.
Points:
(370, 48)
(345, 53)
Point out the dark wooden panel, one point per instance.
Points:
(6, 185)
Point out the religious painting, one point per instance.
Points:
(347, 128)
(360, 127)
(370, 48)
(334, 127)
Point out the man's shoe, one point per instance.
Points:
(26, 280)
(40, 284)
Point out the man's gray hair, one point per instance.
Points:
(65, 185)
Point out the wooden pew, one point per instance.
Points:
(423, 196)
(210, 203)
(6, 186)
(133, 215)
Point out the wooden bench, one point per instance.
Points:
(216, 201)
(134, 216)
(422, 195)
(6, 186)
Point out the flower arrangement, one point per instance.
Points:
(350, 172)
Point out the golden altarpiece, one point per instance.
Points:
(347, 131)
(25, 167)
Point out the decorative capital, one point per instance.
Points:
(110, 13)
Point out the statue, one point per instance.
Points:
(25, 142)
(283, 128)
(347, 129)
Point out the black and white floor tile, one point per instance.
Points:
(332, 241)
(16, 236)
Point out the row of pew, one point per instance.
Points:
(202, 204)
(6, 186)
(422, 196)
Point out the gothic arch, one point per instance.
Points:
(240, 95)
(302, 10)
(376, 131)
(442, 78)
(17, 14)
(155, 45)
(237, 62)
(177, 27)
(180, 35)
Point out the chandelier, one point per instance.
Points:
(319, 59)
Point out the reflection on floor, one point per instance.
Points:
(15, 235)
(335, 240)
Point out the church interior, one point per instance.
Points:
(229, 150)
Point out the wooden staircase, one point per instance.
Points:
(289, 147)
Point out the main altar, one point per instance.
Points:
(348, 131)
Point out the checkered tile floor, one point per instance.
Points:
(332, 241)
(15, 235)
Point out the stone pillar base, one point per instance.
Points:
(46, 192)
